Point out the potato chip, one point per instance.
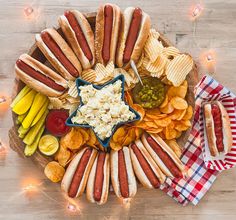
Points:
(73, 92)
(153, 48)
(163, 122)
(154, 33)
(181, 127)
(104, 74)
(139, 109)
(166, 81)
(167, 109)
(170, 52)
(138, 133)
(72, 140)
(179, 91)
(63, 156)
(158, 74)
(174, 146)
(151, 124)
(179, 103)
(153, 111)
(189, 113)
(170, 133)
(92, 138)
(179, 68)
(155, 117)
(89, 75)
(164, 103)
(128, 98)
(54, 171)
(115, 146)
(120, 132)
(154, 130)
(140, 61)
(186, 123)
(85, 134)
(157, 65)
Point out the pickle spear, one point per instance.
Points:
(30, 149)
(40, 113)
(31, 135)
(21, 94)
(25, 103)
(37, 104)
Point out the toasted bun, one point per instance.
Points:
(105, 186)
(52, 58)
(227, 133)
(66, 181)
(138, 169)
(167, 149)
(210, 130)
(72, 40)
(140, 42)
(99, 32)
(129, 169)
(35, 84)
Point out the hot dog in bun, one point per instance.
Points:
(108, 21)
(134, 32)
(76, 176)
(163, 155)
(98, 182)
(39, 77)
(79, 35)
(58, 53)
(145, 168)
(217, 128)
(122, 174)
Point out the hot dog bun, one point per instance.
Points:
(105, 182)
(99, 32)
(66, 181)
(70, 35)
(141, 39)
(132, 184)
(166, 149)
(64, 47)
(210, 129)
(138, 169)
(44, 70)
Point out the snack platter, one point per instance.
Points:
(129, 150)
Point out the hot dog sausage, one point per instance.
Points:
(75, 183)
(38, 76)
(56, 50)
(216, 114)
(132, 34)
(79, 35)
(108, 14)
(98, 182)
(146, 167)
(122, 174)
(164, 157)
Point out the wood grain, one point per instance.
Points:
(215, 29)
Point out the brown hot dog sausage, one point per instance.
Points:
(79, 35)
(122, 175)
(75, 183)
(108, 14)
(98, 182)
(132, 34)
(165, 158)
(146, 167)
(216, 114)
(38, 76)
(56, 50)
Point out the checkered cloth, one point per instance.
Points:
(199, 178)
(208, 90)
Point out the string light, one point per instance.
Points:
(126, 203)
(196, 11)
(208, 60)
(29, 188)
(31, 12)
(2, 148)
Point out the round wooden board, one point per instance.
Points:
(18, 146)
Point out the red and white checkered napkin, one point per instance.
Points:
(200, 178)
(209, 89)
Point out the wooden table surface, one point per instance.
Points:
(215, 29)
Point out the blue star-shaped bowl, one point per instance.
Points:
(81, 82)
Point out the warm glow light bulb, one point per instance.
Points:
(2, 148)
(28, 11)
(71, 207)
(30, 187)
(196, 11)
